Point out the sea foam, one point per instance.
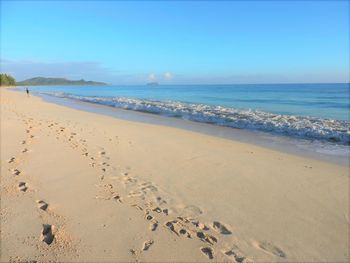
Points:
(312, 128)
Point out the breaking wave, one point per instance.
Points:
(335, 131)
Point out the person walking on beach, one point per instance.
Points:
(27, 90)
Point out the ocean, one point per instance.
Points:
(308, 111)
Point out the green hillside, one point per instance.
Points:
(41, 81)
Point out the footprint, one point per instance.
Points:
(166, 211)
(135, 194)
(232, 253)
(24, 150)
(11, 160)
(183, 219)
(157, 209)
(147, 244)
(148, 187)
(171, 227)
(160, 201)
(153, 226)
(22, 186)
(185, 232)
(15, 171)
(47, 235)
(42, 204)
(221, 228)
(211, 239)
(270, 248)
(207, 238)
(208, 252)
(137, 207)
(150, 217)
(200, 225)
(117, 198)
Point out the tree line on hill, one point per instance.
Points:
(7, 80)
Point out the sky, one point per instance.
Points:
(177, 42)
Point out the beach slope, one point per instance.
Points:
(78, 186)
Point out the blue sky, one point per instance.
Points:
(177, 42)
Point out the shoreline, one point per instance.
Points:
(295, 146)
(132, 191)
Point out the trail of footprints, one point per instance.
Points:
(145, 197)
(47, 235)
(151, 203)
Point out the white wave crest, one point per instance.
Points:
(312, 128)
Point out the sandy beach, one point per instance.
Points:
(83, 187)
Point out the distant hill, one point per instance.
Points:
(40, 81)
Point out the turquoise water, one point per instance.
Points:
(311, 111)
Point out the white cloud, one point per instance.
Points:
(152, 77)
(168, 75)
